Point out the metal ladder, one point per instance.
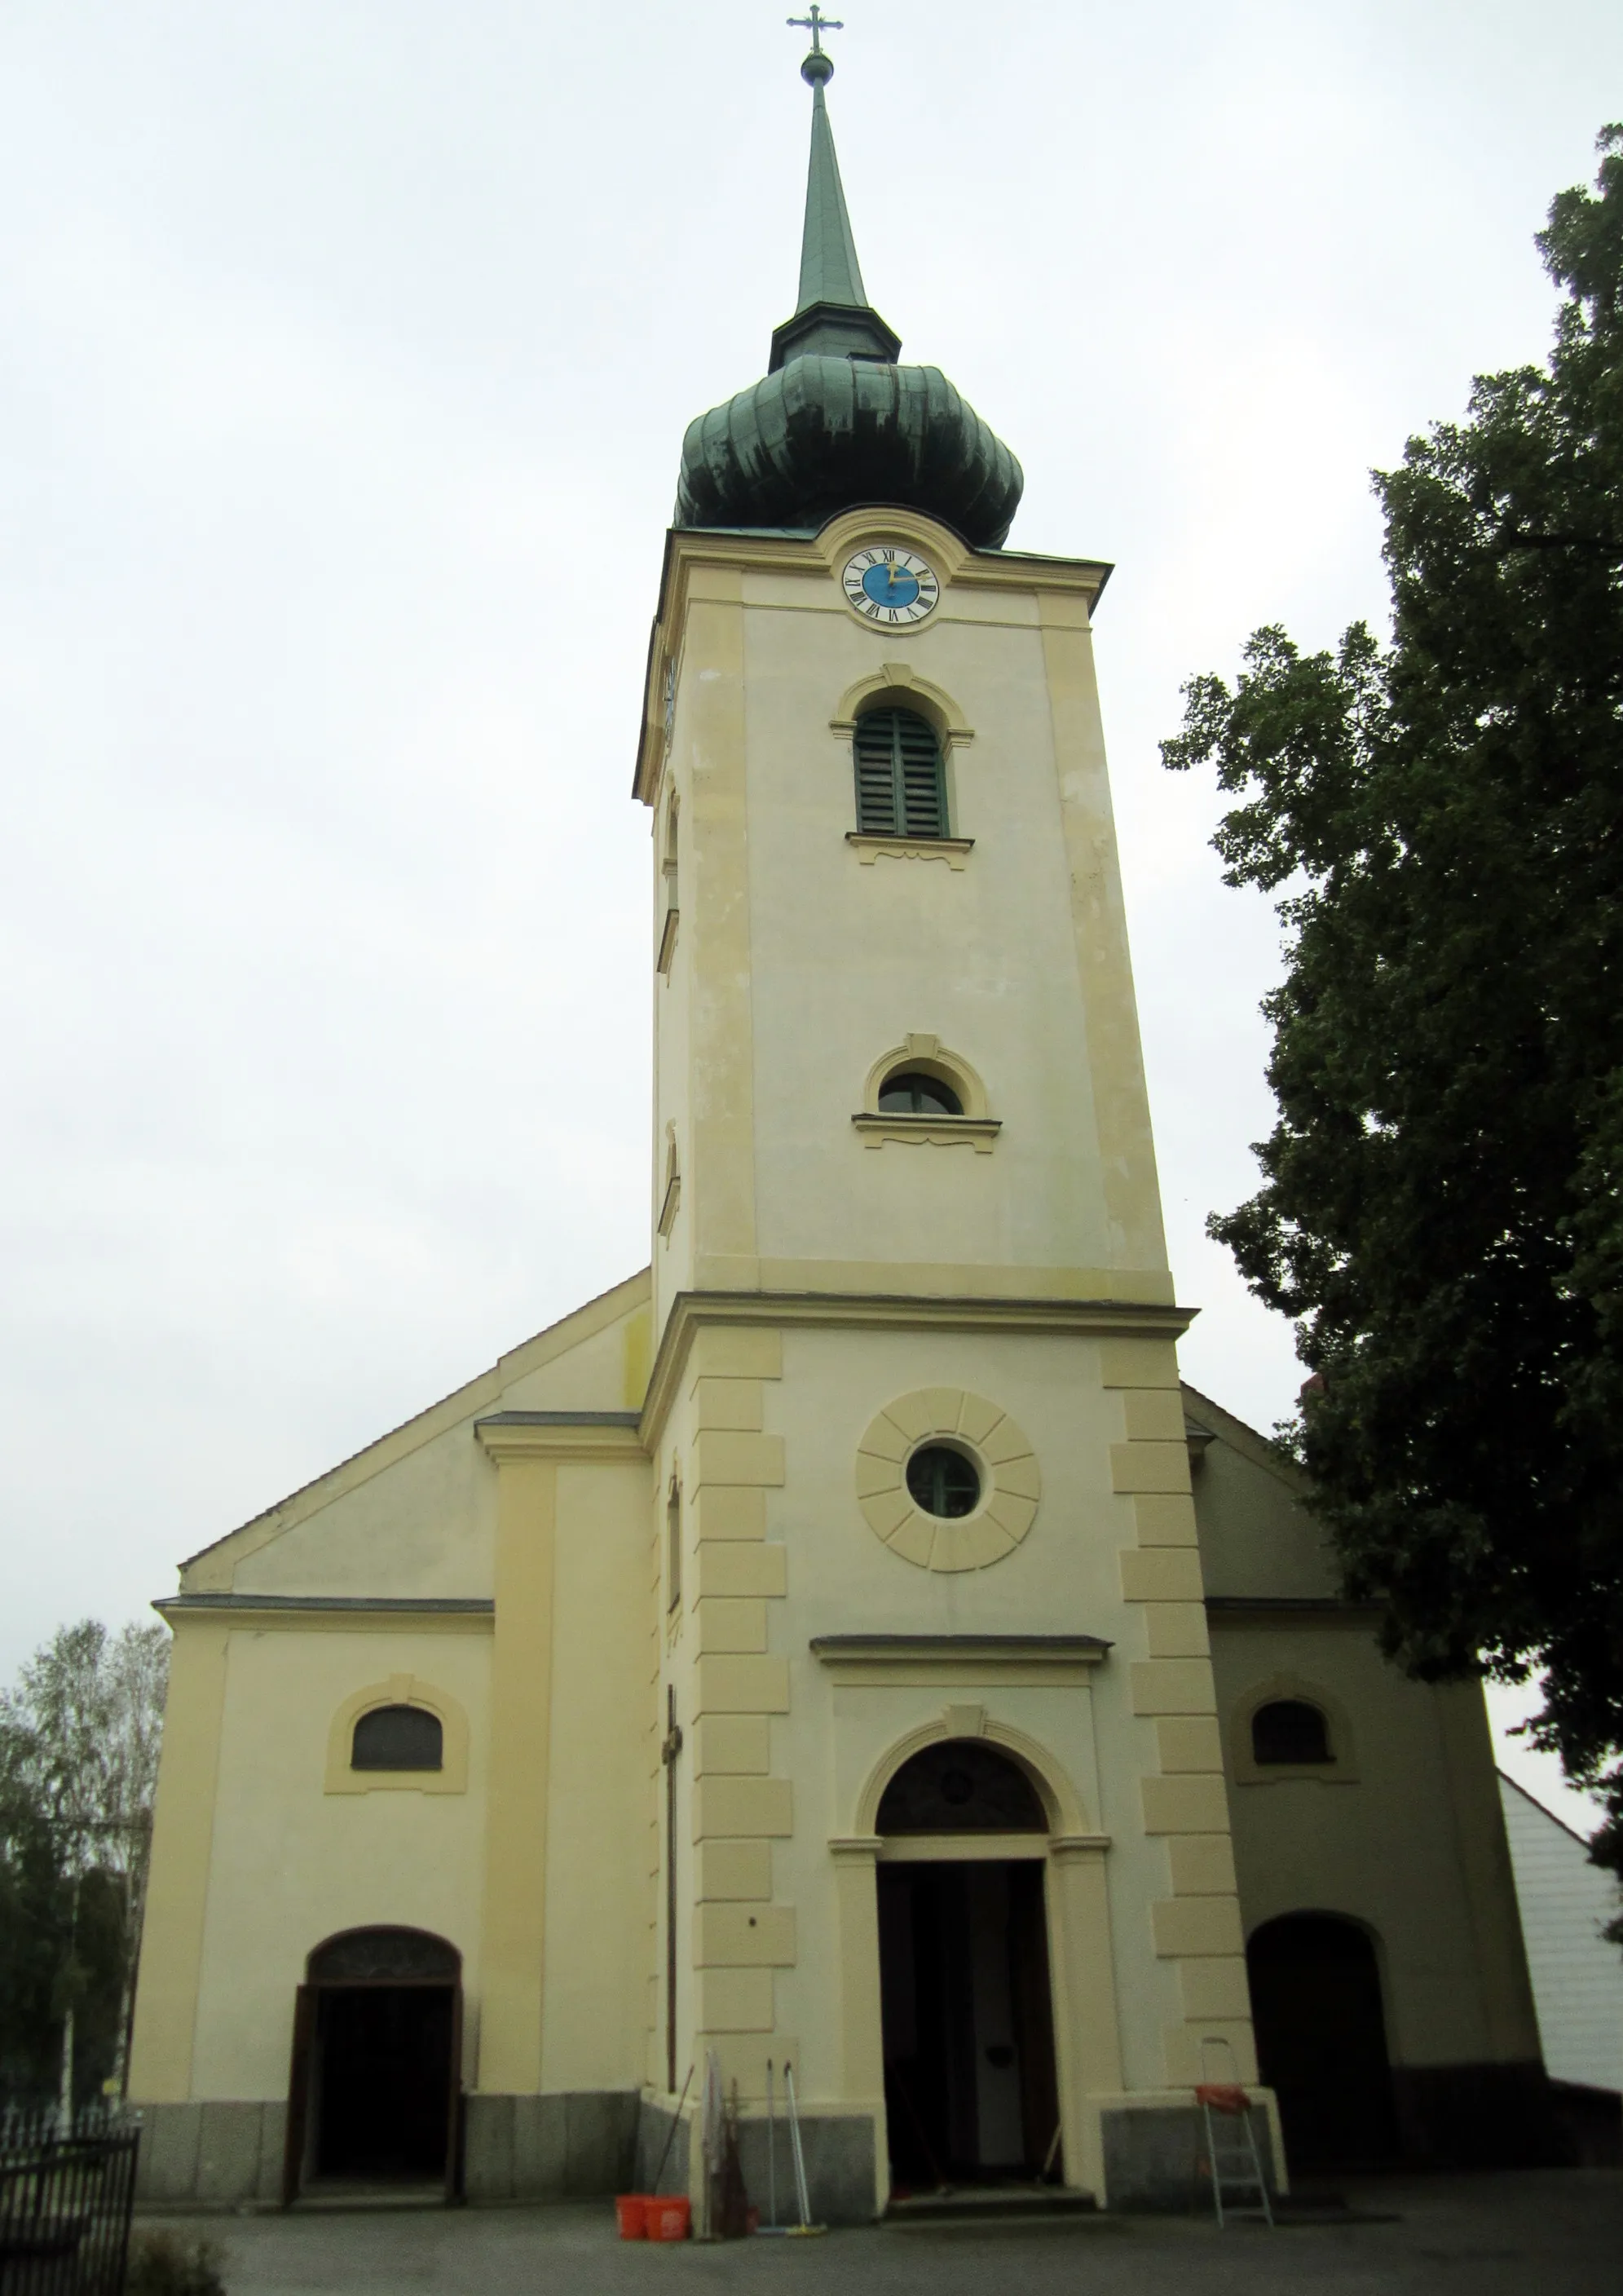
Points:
(1231, 2141)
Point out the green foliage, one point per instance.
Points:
(79, 1754)
(1441, 822)
(167, 2264)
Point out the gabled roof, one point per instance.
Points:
(1202, 1412)
(483, 1392)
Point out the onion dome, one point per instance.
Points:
(837, 420)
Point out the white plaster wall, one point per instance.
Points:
(1577, 1975)
(847, 959)
(1063, 1578)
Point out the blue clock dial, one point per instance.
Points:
(890, 585)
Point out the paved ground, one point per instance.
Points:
(1537, 2232)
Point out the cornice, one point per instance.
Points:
(601, 1435)
(691, 1311)
(960, 1661)
(333, 1613)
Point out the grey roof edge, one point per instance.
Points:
(414, 1419)
(561, 1419)
(1544, 1810)
(477, 1604)
(1296, 1606)
(1250, 1443)
(972, 1645)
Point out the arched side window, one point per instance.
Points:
(405, 1735)
(397, 1738)
(1291, 1726)
(901, 780)
(1290, 1731)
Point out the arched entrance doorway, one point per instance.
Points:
(375, 2091)
(1321, 2039)
(971, 2091)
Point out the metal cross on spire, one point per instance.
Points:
(817, 24)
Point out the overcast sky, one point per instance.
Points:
(347, 349)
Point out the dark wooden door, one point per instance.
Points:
(1033, 2006)
(1321, 2040)
(298, 2094)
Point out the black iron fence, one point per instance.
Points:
(65, 2199)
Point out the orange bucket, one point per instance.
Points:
(667, 2220)
(630, 2214)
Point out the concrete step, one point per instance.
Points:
(990, 2204)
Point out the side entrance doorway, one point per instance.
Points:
(1321, 2040)
(970, 2091)
(375, 2087)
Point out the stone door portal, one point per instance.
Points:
(970, 2091)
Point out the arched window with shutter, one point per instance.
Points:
(901, 782)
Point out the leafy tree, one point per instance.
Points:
(78, 1759)
(1441, 822)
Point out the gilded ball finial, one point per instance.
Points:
(818, 69)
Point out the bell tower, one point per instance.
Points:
(932, 1679)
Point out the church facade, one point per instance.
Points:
(846, 1646)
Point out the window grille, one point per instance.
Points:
(901, 788)
(397, 1738)
(1289, 1731)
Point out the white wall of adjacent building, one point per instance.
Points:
(1578, 1974)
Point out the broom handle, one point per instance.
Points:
(794, 2135)
(670, 2137)
(772, 2155)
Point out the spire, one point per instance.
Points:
(838, 420)
(829, 269)
(834, 316)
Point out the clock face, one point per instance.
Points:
(890, 585)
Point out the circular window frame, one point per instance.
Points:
(1010, 1480)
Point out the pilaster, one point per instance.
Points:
(1184, 1800)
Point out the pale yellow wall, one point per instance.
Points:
(1408, 1838)
(291, 1864)
(424, 1525)
(183, 1855)
(1255, 1536)
(594, 2006)
(254, 1863)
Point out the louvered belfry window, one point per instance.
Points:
(901, 790)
